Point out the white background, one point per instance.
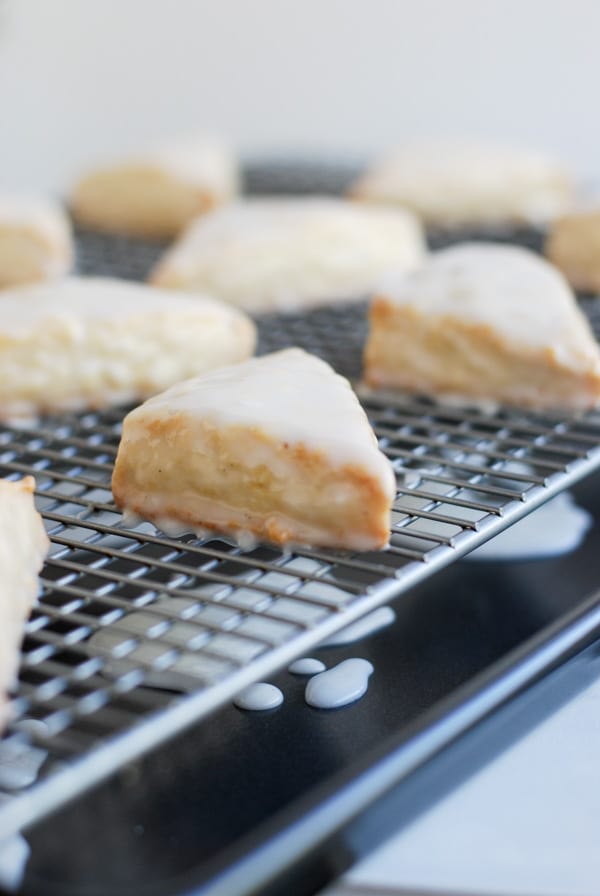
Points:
(81, 79)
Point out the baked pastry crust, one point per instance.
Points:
(35, 241)
(573, 245)
(156, 193)
(465, 183)
(278, 448)
(485, 322)
(285, 254)
(94, 342)
(23, 547)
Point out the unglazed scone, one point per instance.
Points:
(573, 245)
(452, 183)
(156, 193)
(284, 254)
(94, 342)
(23, 547)
(486, 322)
(35, 241)
(278, 448)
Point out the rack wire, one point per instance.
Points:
(137, 635)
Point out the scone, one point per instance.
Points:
(278, 448)
(156, 193)
(23, 547)
(450, 183)
(484, 321)
(89, 343)
(284, 254)
(573, 245)
(35, 241)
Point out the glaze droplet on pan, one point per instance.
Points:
(343, 684)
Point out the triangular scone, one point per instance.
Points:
(277, 447)
(291, 253)
(484, 321)
(92, 342)
(23, 547)
(156, 192)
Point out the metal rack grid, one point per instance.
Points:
(136, 636)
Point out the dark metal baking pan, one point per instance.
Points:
(245, 800)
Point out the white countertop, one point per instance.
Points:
(528, 823)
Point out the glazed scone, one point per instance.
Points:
(156, 193)
(35, 241)
(285, 254)
(23, 547)
(278, 448)
(486, 322)
(573, 245)
(94, 342)
(451, 183)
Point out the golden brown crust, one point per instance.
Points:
(165, 276)
(149, 224)
(573, 245)
(271, 508)
(446, 356)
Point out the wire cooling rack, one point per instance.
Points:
(137, 636)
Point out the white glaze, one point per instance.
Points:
(40, 216)
(14, 853)
(68, 304)
(557, 527)
(23, 548)
(241, 538)
(307, 666)
(286, 253)
(259, 697)
(245, 540)
(450, 182)
(521, 296)
(362, 628)
(322, 414)
(131, 520)
(19, 764)
(343, 684)
(172, 528)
